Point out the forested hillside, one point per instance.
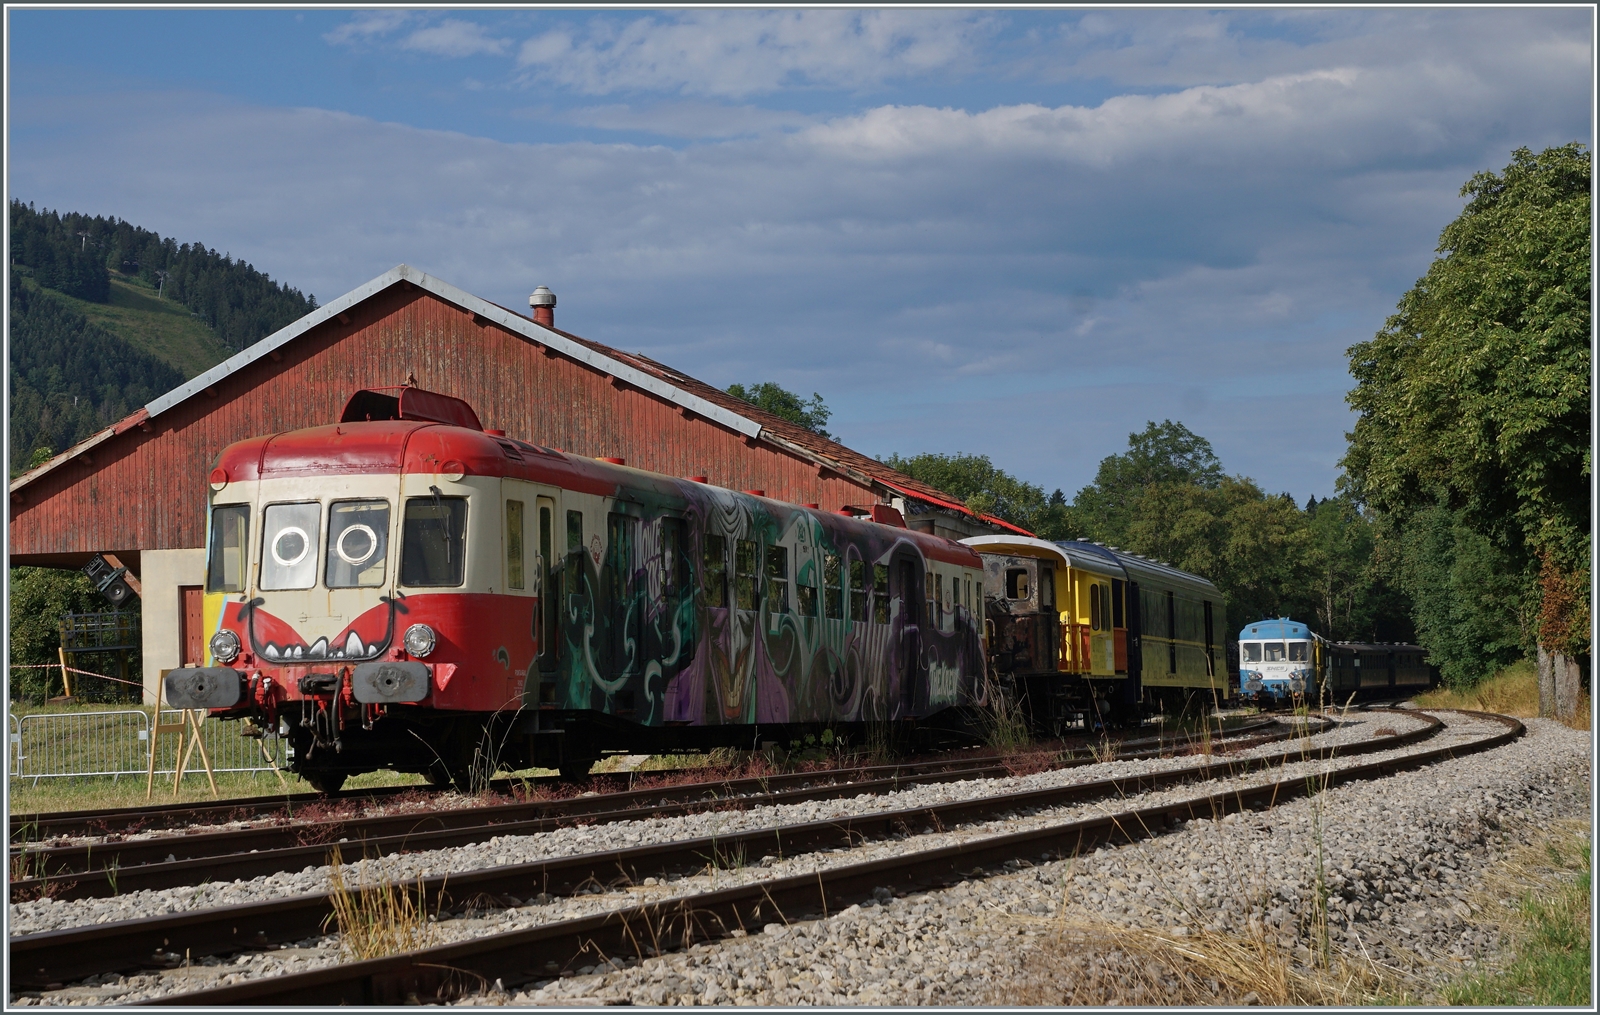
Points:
(77, 255)
(70, 378)
(106, 316)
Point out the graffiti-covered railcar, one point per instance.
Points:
(405, 590)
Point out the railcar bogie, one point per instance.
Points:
(405, 590)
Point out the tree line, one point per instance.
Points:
(77, 255)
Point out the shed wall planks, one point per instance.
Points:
(143, 490)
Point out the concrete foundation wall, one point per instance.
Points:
(162, 572)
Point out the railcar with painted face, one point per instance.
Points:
(406, 590)
(1084, 635)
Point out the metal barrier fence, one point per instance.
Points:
(13, 745)
(54, 745)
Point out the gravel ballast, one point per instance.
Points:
(911, 951)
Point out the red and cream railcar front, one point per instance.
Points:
(356, 571)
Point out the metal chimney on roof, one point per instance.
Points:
(543, 302)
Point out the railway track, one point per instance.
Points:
(42, 827)
(99, 869)
(60, 956)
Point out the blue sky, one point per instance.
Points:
(1020, 234)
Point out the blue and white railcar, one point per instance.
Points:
(1278, 659)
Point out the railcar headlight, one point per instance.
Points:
(420, 640)
(224, 646)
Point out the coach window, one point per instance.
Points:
(832, 587)
(858, 590)
(778, 578)
(1252, 651)
(714, 570)
(433, 542)
(289, 546)
(745, 575)
(1297, 652)
(880, 593)
(358, 543)
(805, 592)
(230, 539)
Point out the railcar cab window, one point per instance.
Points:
(230, 542)
(1272, 651)
(433, 543)
(1094, 607)
(1017, 583)
(289, 546)
(1299, 651)
(358, 543)
(1252, 651)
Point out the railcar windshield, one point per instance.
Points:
(230, 541)
(1252, 651)
(289, 546)
(1299, 651)
(433, 548)
(1272, 651)
(358, 543)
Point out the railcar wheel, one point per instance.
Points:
(325, 782)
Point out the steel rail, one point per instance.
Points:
(516, 957)
(248, 852)
(224, 855)
(48, 825)
(72, 953)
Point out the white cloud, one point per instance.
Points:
(363, 27)
(675, 119)
(453, 37)
(740, 53)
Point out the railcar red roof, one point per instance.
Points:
(413, 447)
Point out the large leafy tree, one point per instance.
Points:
(987, 489)
(1474, 398)
(1164, 453)
(785, 404)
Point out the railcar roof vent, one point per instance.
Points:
(372, 405)
(543, 302)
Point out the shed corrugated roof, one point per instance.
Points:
(635, 369)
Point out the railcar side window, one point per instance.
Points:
(858, 590)
(744, 574)
(805, 596)
(1297, 652)
(938, 591)
(1047, 589)
(880, 593)
(832, 587)
(714, 570)
(230, 541)
(1252, 651)
(289, 546)
(358, 543)
(514, 576)
(778, 578)
(1272, 651)
(675, 574)
(433, 542)
(1094, 607)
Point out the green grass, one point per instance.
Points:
(1551, 942)
(161, 327)
(100, 792)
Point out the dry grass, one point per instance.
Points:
(103, 791)
(376, 919)
(1092, 961)
(1512, 691)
